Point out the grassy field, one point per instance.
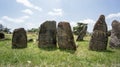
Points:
(32, 56)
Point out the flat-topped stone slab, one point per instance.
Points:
(47, 35)
(19, 38)
(65, 36)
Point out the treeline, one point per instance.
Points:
(4, 29)
(76, 29)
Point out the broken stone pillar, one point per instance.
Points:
(115, 35)
(47, 35)
(99, 38)
(2, 35)
(65, 36)
(19, 38)
(82, 33)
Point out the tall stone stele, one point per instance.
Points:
(99, 38)
(115, 35)
(19, 38)
(47, 35)
(65, 36)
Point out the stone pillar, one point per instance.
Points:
(65, 36)
(115, 35)
(47, 35)
(99, 38)
(19, 38)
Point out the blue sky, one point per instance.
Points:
(31, 13)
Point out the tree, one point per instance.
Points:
(4, 29)
(77, 29)
(80, 30)
(1, 27)
(34, 30)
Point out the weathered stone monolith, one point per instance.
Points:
(19, 38)
(2, 35)
(115, 35)
(65, 36)
(82, 33)
(99, 38)
(47, 35)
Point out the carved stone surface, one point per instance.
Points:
(99, 38)
(19, 38)
(2, 35)
(82, 33)
(115, 35)
(47, 35)
(65, 36)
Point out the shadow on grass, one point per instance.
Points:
(18, 48)
(108, 51)
(83, 41)
(5, 39)
(53, 49)
(48, 49)
(69, 51)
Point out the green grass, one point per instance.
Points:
(32, 56)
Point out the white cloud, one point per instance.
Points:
(90, 23)
(72, 23)
(114, 15)
(15, 20)
(87, 21)
(30, 25)
(37, 8)
(24, 17)
(27, 11)
(56, 12)
(27, 3)
(1, 21)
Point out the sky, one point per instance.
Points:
(32, 13)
